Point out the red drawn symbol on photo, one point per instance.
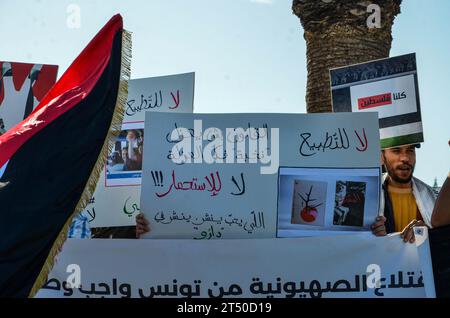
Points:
(309, 212)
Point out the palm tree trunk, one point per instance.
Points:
(337, 34)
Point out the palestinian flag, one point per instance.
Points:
(50, 162)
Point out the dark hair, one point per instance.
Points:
(116, 158)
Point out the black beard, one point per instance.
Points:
(394, 177)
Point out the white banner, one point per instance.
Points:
(342, 266)
(209, 176)
(116, 198)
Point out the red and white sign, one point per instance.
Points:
(390, 97)
(375, 101)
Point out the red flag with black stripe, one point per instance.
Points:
(50, 162)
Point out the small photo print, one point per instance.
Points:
(124, 164)
(349, 203)
(308, 203)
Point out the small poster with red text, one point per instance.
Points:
(387, 86)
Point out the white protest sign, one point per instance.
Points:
(116, 198)
(399, 105)
(387, 86)
(317, 267)
(220, 175)
(422, 241)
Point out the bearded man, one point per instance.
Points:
(405, 200)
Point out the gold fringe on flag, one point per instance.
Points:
(88, 192)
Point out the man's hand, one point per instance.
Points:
(408, 232)
(378, 228)
(142, 225)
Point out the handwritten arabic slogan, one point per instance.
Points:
(116, 198)
(228, 196)
(262, 268)
(387, 86)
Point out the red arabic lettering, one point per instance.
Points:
(364, 144)
(214, 185)
(175, 99)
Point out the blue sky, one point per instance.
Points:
(248, 55)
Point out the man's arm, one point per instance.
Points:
(441, 212)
